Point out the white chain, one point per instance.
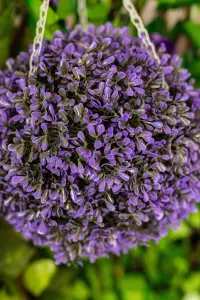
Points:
(40, 27)
(142, 32)
(82, 13)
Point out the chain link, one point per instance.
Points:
(40, 28)
(82, 13)
(142, 32)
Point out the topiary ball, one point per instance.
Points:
(95, 156)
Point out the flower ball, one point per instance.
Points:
(96, 156)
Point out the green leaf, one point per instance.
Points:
(93, 279)
(105, 272)
(6, 21)
(165, 4)
(38, 276)
(80, 290)
(89, 2)
(192, 283)
(166, 295)
(66, 8)
(110, 295)
(157, 25)
(67, 285)
(133, 286)
(195, 218)
(151, 263)
(15, 253)
(62, 286)
(4, 49)
(182, 232)
(98, 11)
(34, 7)
(139, 295)
(6, 26)
(181, 265)
(5, 296)
(193, 30)
(11, 290)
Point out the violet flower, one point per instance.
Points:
(163, 42)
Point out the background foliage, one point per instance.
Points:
(167, 271)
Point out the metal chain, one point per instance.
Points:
(142, 32)
(37, 44)
(82, 13)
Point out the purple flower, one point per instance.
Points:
(164, 43)
(95, 156)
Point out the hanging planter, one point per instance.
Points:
(99, 141)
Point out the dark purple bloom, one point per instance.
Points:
(95, 156)
(163, 42)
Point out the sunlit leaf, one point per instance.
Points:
(192, 283)
(195, 218)
(182, 232)
(193, 29)
(38, 275)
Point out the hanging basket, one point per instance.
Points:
(99, 143)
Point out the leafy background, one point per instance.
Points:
(169, 270)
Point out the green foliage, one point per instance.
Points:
(166, 4)
(169, 270)
(66, 8)
(195, 220)
(34, 6)
(15, 253)
(38, 275)
(133, 286)
(6, 26)
(99, 11)
(193, 29)
(192, 283)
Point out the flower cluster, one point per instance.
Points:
(95, 156)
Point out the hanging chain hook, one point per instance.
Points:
(142, 32)
(40, 28)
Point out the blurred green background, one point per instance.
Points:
(169, 270)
